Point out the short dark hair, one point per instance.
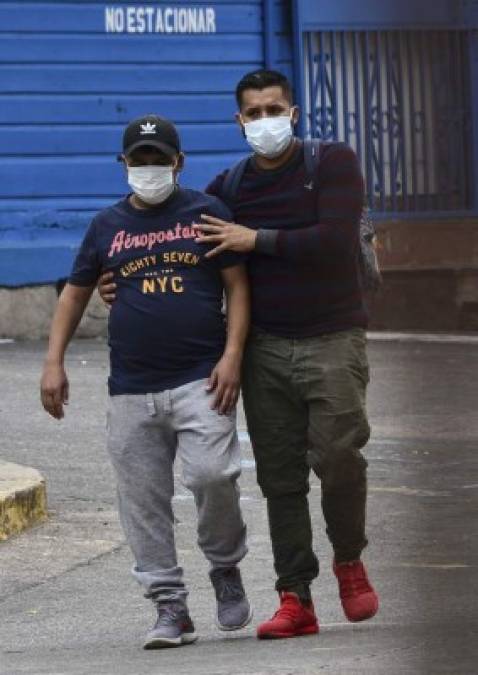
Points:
(260, 79)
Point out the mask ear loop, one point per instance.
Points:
(176, 171)
(243, 126)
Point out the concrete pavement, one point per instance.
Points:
(69, 606)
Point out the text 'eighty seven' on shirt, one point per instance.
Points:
(166, 326)
(304, 271)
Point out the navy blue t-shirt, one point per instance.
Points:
(166, 327)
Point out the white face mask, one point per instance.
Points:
(152, 184)
(269, 136)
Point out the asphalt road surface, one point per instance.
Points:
(68, 605)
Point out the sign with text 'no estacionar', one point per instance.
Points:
(159, 19)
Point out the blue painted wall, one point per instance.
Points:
(72, 74)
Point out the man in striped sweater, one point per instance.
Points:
(305, 369)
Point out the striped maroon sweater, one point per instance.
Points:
(304, 271)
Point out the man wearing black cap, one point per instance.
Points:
(174, 377)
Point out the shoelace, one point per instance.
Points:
(354, 583)
(288, 610)
(228, 588)
(168, 615)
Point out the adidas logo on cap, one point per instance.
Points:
(148, 128)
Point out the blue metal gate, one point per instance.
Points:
(398, 89)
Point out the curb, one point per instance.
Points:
(22, 498)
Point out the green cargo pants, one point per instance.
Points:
(305, 407)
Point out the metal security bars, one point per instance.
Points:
(401, 100)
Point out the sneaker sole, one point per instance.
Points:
(365, 617)
(228, 629)
(313, 630)
(164, 643)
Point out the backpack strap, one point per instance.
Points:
(232, 180)
(370, 274)
(313, 151)
(312, 154)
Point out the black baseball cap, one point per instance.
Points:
(151, 130)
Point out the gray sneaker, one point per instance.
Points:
(233, 609)
(173, 627)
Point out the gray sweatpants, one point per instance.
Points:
(145, 432)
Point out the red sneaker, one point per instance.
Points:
(291, 619)
(358, 597)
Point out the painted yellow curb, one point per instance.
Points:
(22, 498)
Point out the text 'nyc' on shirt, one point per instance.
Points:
(166, 327)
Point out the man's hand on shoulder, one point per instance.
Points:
(226, 236)
(107, 288)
